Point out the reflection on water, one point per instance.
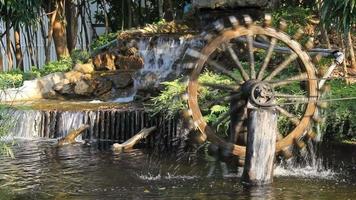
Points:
(43, 171)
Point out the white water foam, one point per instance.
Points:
(168, 176)
(310, 167)
(304, 172)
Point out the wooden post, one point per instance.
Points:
(261, 145)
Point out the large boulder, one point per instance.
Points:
(64, 88)
(86, 68)
(103, 85)
(73, 76)
(47, 83)
(83, 88)
(121, 80)
(30, 90)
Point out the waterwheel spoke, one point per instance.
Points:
(289, 115)
(299, 77)
(230, 88)
(224, 99)
(252, 58)
(237, 62)
(282, 66)
(267, 58)
(218, 67)
(290, 96)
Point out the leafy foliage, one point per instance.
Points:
(6, 122)
(140, 12)
(80, 56)
(15, 78)
(168, 101)
(339, 13)
(296, 17)
(62, 65)
(20, 12)
(102, 40)
(10, 80)
(340, 116)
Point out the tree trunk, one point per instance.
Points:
(8, 45)
(1, 63)
(129, 14)
(122, 15)
(325, 37)
(29, 44)
(18, 52)
(59, 31)
(103, 4)
(140, 18)
(351, 51)
(160, 8)
(72, 25)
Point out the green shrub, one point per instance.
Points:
(170, 103)
(32, 74)
(6, 122)
(62, 65)
(15, 78)
(80, 56)
(168, 100)
(10, 80)
(102, 40)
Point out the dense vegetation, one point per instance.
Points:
(15, 78)
(339, 117)
(331, 22)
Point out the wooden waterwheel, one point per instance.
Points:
(251, 65)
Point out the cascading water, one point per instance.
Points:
(307, 165)
(113, 125)
(161, 54)
(162, 61)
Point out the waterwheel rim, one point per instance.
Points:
(243, 32)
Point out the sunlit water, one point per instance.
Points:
(41, 170)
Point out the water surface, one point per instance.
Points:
(43, 171)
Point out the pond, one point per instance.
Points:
(41, 170)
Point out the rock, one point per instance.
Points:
(30, 90)
(87, 77)
(121, 80)
(87, 68)
(64, 88)
(48, 82)
(129, 62)
(102, 86)
(104, 61)
(50, 95)
(132, 51)
(83, 88)
(73, 76)
(108, 96)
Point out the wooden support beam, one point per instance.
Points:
(261, 145)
